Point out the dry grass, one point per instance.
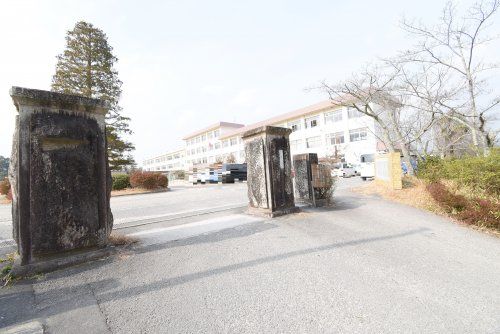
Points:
(6, 263)
(469, 192)
(117, 239)
(415, 194)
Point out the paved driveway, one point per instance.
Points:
(127, 210)
(364, 266)
(179, 202)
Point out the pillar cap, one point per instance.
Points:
(268, 130)
(53, 100)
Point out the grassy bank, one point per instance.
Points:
(417, 193)
(466, 190)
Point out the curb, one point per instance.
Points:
(144, 193)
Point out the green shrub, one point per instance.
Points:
(431, 169)
(480, 173)
(325, 184)
(121, 181)
(148, 180)
(4, 186)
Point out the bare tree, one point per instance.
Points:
(453, 45)
(450, 138)
(425, 94)
(219, 159)
(230, 158)
(363, 92)
(379, 92)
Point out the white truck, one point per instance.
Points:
(367, 169)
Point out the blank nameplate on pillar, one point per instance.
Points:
(58, 143)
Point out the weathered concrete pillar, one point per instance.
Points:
(269, 179)
(303, 177)
(59, 174)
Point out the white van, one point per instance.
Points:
(367, 169)
(343, 169)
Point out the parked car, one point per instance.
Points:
(343, 169)
(357, 169)
(198, 174)
(230, 172)
(367, 170)
(193, 176)
(203, 176)
(213, 176)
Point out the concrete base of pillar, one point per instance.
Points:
(64, 260)
(268, 213)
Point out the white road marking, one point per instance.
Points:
(192, 229)
(119, 221)
(184, 230)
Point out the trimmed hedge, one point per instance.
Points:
(4, 186)
(482, 173)
(120, 181)
(148, 180)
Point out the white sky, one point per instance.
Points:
(188, 64)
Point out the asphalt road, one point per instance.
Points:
(178, 202)
(364, 266)
(180, 199)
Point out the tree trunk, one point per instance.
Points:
(407, 159)
(387, 139)
(475, 141)
(402, 142)
(470, 86)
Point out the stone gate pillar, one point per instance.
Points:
(59, 173)
(269, 179)
(303, 177)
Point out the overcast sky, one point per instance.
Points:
(187, 64)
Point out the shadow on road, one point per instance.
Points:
(62, 300)
(344, 202)
(225, 269)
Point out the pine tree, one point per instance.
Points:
(4, 167)
(86, 68)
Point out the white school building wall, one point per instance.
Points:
(325, 129)
(210, 145)
(170, 161)
(322, 128)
